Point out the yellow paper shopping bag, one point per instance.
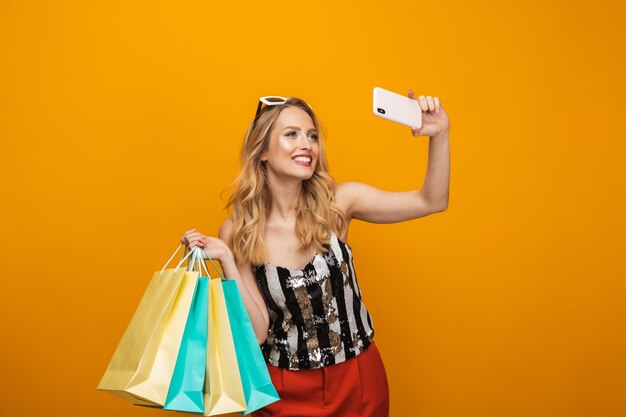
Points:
(223, 389)
(142, 365)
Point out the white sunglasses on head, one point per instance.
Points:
(271, 101)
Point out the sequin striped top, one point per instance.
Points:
(317, 315)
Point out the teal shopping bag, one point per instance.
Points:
(257, 384)
(186, 388)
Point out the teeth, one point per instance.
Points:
(302, 159)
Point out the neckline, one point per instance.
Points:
(312, 259)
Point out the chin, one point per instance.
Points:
(305, 177)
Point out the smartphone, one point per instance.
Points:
(397, 108)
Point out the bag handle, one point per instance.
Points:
(212, 263)
(189, 263)
(197, 257)
(191, 266)
(201, 264)
(172, 257)
(193, 260)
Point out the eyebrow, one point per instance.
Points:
(297, 128)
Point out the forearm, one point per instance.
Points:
(436, 186)
(254, 311)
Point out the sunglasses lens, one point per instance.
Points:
(275, 99)
(268, 101)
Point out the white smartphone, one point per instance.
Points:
(397, 108)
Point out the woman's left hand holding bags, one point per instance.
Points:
(214, 247)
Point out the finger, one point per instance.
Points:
(415, 131)
(437, 104)
(431, 104)
(411, 94)
(423, 103)
(196, 243)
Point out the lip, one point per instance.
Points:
(303, 164)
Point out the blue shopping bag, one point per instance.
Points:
(257, 384)
(186, 388)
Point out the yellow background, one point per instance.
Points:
(120, 124)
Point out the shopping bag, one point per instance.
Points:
(187, 385)
(142, 365)
(223, 388)
(257, 385)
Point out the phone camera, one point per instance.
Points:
(381, 111)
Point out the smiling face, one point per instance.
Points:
(293, 148)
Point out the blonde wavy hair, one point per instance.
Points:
(317, 214)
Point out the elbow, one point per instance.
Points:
(438, 208)
(433, 205)
(444, 203)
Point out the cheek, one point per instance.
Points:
(285, 147)
(278, 148)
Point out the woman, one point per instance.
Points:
(285, 245)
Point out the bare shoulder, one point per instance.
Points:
(344, 192)
(226, 231)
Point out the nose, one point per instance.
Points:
(306, 144)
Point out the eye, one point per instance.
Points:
(312, 136)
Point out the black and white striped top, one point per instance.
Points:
(317, 315)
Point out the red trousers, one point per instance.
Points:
(356, 387)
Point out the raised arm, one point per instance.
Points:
(367, 203)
